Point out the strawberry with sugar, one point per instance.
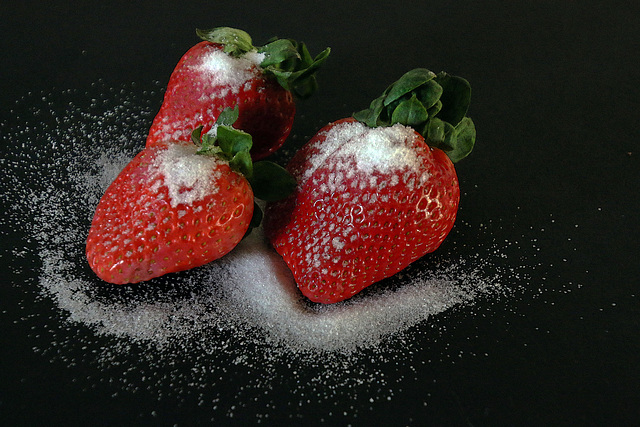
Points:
(226, 70)
(376, 191)
(180, 205)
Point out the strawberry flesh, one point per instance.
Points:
(168, 210)
(207, 80)
(370, 201)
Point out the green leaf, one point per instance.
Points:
(303, 81)
(304, 88)
(410, 112)
(439, 134)
(408, 82)
(429, 93)
(435, 109)
(435, 105)
(283, 77)
(450, 138)
(277, 52)
(209, 147)
(196, 136)
(228, 116)
(305, 56)
(287, 60)
(236, 42)
(233, 141)
(227, 143)
(206, 142)
(466, 138)
(271, 182)
(241, 162)
(456, 97)
(292, 65)
(370, 115)
(434, 131)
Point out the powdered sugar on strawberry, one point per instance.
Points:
(384, 150)
(229, 72)
(189, 177)
(359, 156)
(369, 202)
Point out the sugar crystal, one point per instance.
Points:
(382, 149)
(242, 312)
(226, 70)
(188, 176)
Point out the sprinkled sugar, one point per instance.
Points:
(242, 313)
(382, 149)
(229, 71)
(189, 177)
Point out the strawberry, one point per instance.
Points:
(226, 70)
(178, 205)
(376, 191)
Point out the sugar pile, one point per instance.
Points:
(243, 310)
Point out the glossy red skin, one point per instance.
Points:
(137, 235)
(383, 238)
(266, 109)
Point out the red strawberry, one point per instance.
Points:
(226, 70)
(175, 207)
(373, 198)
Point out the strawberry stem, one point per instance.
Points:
(435, 105)
(236, 42)
(287, 60)
(293, 66)
(226, 142)
(269, 181)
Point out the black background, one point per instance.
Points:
(556, 105)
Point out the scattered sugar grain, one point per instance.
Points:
(243, 310)
(264, 289)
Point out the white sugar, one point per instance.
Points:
(254, 57)
(189, 177)
(337, 243)
(242, 313)
(382, 149)
(265, 294)
(226, 70)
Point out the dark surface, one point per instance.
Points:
(556, 103)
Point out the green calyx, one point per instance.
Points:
(226, 142)
(287, 60)
(269, 181)
(235, 42)
(435, 105)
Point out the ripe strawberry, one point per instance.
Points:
(374, 197)
(226, 70)
(177, 206)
